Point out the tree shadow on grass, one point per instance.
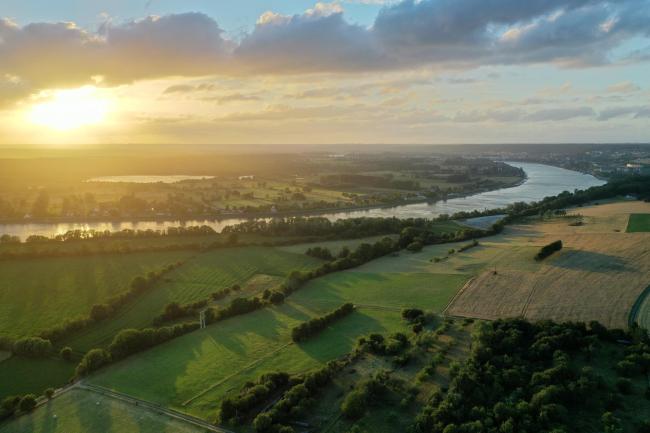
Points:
(589, 261)
(49, 422)
(94, 417)
(291, 311)
(340, 337)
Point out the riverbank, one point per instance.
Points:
(542, 181)
(223, 216)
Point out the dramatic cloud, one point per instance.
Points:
(407, 34)
(59, 54)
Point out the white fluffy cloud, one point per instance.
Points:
(406, 34)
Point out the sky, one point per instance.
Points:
(80, 72)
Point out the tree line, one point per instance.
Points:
(311, 327)
(103, 311)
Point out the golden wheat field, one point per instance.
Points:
(598, 275)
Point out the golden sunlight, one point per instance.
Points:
(71, 109)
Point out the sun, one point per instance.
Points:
(65, 110)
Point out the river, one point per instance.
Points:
(542, 181)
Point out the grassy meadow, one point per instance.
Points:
(21, 375)
(80, 410)
(196, 280)
(39, 293)
(195, 371)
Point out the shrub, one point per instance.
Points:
(547, 250)
(27, 403)
(32, 347)
(262, 422)
(49, 393)
(313, 326)
(354, 405)
(415, 246)
(66, 353)
(93, 360)
(412, 314)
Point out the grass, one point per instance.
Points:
(38, 293)
(204, 365)
(393, 290)
(638, 223)
(80, 410)
(20, 375)
(195, 280)
(200, 368)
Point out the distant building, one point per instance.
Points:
(247, 177)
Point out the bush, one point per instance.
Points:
(262, 422)
(412, 314)
(49, 393)
(92, 361)
(32, 347)
(66, 353)
(547, 250)
(354, 405)
(313, 326)
(415, 246)
(27, 403)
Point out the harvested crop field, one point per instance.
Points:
(597, 276)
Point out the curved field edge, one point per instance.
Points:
(640, 312)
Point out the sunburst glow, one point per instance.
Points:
(65, 110)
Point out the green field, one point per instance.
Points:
(20, 375)
(39, 293)
(201, 367)
(83, 411)
(638, 222)
(195, 280)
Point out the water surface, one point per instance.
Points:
(542, 181)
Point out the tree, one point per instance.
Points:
(262, 422)
(66, 353)
(93, 360)
(27, 403)
(354, 405)
(32, 347)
